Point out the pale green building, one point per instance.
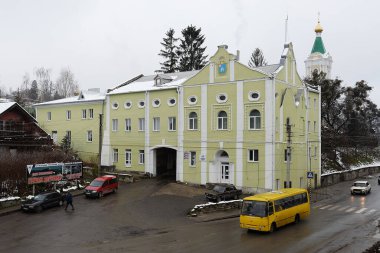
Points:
(224, 123)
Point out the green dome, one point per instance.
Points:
(318, 46)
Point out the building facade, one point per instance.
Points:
(258, 129)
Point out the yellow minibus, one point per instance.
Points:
(270, 210)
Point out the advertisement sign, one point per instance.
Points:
(53, 172)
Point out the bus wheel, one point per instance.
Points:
(273, 227)
(297, 219)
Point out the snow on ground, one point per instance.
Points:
(357, 167)
(9, 199)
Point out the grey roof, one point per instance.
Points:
(268, 69)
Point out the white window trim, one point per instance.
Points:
(192, 119)
(125, 104)
(172, 104)
(130, 125)
(90, 113)
(154, 104)
(139, 104)
(174, 125)
(195, 160)
(141, 155)
(87, 135)
(68, 115)
(113, 155)
(221, 101)
(154, 124)
(115, 105)
(192, 103)
(250, 98)
(253, 155)
(115, 127)
(143, 125)
(48, 116)
(84, 114)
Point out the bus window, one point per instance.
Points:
(255, 208)
(270, 208)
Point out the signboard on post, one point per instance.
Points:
(53, 172)
(310, 174)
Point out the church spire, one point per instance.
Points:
(318, 46)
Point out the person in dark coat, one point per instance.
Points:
(69, 200)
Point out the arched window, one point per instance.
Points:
(222, 120)
(193, 121)
(254, 119)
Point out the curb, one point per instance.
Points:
(222, 218)
(17, 208)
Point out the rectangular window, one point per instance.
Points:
(115, 125)
(68, 115)
(141, 156)
(115, 155)
(68, 136)
(193, 156)
(89, 135)
(308, 126)
(128, 125)
(156, 124)
(141, 124)
(128, 158)
(48, 115)
(172, 124)
(286, 155)
(315, 104)
(253, 155)
(315, 126)
(84, 113)
(91, 113)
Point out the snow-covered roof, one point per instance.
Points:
(84, 96)
(6, 106)
(145, 83)
(268, 69)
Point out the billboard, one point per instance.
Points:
(53, 172)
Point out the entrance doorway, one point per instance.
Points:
(166, 163)
(224, 167)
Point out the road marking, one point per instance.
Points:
(350, 210)
(334, 207)
(317, 206)
(326, 207)
(342, 208)
(361, 210)
(370, 212)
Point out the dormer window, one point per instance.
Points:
(162, 79)
(158, 82)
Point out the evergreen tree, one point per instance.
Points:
(257, 59)
(66, 144)
(190, 50)
(33, 92)
(169, 52)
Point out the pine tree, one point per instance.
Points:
(33, 92)
(257, 59)
(169, 52)
(190, 50)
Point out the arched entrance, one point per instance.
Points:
(165, 163)
(223, 166)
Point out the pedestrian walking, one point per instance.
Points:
(69, 200)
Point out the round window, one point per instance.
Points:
(254, 95)
(128, 104)
(141, 103)
(192, 100)
(171, 101)
(156, 102)
(115, 105)
(221, 98)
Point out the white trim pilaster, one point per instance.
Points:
(232, 71)
(181, 127)
(269, 133)
(148, 152)
(239, 133)
(106, 145)
(204, 129)
(212, 72)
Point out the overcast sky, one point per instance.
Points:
(107, 42)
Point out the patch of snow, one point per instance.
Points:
(9, 199)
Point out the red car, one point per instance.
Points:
(102, 185)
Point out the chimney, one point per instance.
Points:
(237, 55)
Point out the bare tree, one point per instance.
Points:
(66, 85)
(45, 83)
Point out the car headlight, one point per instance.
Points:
(93, 191)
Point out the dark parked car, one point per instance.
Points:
(223, 192)
(42, 201)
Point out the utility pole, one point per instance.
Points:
(288, 184)
(100, 143)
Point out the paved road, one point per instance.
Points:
(138, 220)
